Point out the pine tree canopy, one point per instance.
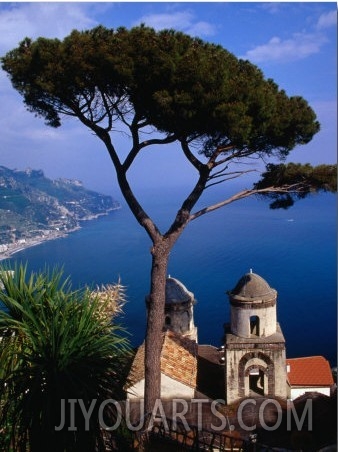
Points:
(183, 87)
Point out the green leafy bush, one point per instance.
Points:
(57, 344)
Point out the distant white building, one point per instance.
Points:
(7, 274)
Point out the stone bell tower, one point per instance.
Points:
(254, 348)
(179, 309)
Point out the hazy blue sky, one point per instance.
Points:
(293, 43)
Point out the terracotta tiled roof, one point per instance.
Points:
(178, 360)
(309, 371)
(137, 369)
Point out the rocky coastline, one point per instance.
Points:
(35, 209)
(15, 247)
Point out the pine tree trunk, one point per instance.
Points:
(155, 322)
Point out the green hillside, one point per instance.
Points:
(31, 205)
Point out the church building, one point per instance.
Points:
(251, 362)
(179, 348)
(254, 345)
(179, 309)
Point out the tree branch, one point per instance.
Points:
(139, 213)
(245, 194)
(183, 214)
(153, 141)
(232, 175)
(238, 154)
(190, 156)
(133, 127)
(107, 113)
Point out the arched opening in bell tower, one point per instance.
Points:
(254, 325)
(256, 375)
(256, 382)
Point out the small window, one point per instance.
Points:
(254, 325)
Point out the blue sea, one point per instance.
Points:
(294, 250)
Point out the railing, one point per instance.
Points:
(174, 436)
(194, 439)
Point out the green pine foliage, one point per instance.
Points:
(302, 180)
(182, 86)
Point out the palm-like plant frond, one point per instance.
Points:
(55, 346)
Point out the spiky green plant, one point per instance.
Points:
(55, 347)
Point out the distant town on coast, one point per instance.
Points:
(34, 209)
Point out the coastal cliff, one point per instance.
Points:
(34, 208)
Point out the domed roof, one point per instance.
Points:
(176, 292)
(252, 287)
